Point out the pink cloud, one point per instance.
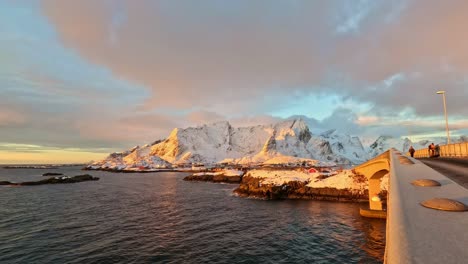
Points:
(190, 54)
(10, 117)
(366, 120)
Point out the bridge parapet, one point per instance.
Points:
(416, 234)
(450, 150)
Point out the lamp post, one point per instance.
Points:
(445, 112)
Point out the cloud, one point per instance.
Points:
(254, 120)
(366, 120)
(198, 51)
(344, 120)
(125, 129)
(208, 51)
(110, 74)
(11, 118)
(202, 117)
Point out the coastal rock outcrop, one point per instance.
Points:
(214, 178)
(52, 174)
(228, 176)
(253, 187)
(330, 185)
(54, 180)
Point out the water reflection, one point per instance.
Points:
(375, 237)
(158, 217)
(344, 219)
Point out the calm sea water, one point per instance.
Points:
(159, 218)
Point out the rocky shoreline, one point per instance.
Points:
(128, 171)
(53, 180)
(141, 171)
(51, 174)
(214, 178)
(252, 187)
(282, 184)
(220, 176)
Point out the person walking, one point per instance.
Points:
(432, 150)
(411, 151)
(437, 151)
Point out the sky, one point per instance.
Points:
(80, 79)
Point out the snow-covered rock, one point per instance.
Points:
(137, 159)
(344, 179)
(226, 176)
(383, 143)
(339, 148)
(342, 185)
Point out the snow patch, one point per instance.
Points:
(344, 179)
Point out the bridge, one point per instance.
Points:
(427, 221)
(450, 151)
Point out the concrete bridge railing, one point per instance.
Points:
(451, 150)
(416, 233)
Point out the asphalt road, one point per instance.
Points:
(454, 168)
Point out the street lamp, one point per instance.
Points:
(445, 112)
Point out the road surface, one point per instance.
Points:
(454, 168)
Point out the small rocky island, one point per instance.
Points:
(259, 187)
(54, 180)
(31, 167)
(225, 176)
(52, 174)
(298, 183)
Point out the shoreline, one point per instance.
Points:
(143, 171)
(260, 187)
(253, 187)
(296, 189)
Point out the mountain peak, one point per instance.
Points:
(302, 130)
(299, 123)
(219, 141)
(328, 133)
(174, 133)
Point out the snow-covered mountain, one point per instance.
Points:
(383, 143)
(340, 148)
(137, 157)
(222, 143)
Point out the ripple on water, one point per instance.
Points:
(134, 218)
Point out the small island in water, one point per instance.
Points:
(53, 180)
(294, 183)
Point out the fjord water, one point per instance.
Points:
(159, 218)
